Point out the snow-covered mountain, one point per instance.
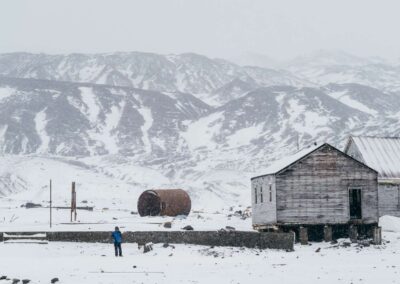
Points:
(124, 118)
(188, 73)
(325, 67)
(77, 119)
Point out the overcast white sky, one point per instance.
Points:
(223, 28)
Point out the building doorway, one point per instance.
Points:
(355, 203)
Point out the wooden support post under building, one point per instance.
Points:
(303, 235)
(353, 233)
(377, 235)
(327, 233)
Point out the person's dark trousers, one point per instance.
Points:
(118, 249)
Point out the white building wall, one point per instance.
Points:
(263, 198)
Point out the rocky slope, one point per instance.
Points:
(130, 121)
(189, 73)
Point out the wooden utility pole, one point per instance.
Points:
(73, 202)
(51, 205)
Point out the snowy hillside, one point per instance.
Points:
(325, 67)
(123, 119)
(189, 73)
(72, 119)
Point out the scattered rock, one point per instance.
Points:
(25, 281)
(15, 281)
(188, 228)
(133, 213)
(114, 218)
(364, 243)
(165, 245)
(54, 280)
(346, 244)
(243, 214)
(230, 229)
(29, 205)
(334, 242)
(134, 266)
(318, 250)
(168, 225)
(148, 247)
(84, 201)
(3, 277)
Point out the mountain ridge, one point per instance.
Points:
(149, 137)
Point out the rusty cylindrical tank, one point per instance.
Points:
(164, 202)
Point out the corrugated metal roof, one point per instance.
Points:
(380, 153)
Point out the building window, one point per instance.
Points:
(255, 194)
(261, 195)
(270, 192)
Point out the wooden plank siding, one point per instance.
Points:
(389, 199)
(388, 187)
(264, 211)
(315, 190)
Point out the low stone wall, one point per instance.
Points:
(265, 240)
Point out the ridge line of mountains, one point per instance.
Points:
(187, 117)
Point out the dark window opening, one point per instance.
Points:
(261, 195)
(355, 203)
(255, 195)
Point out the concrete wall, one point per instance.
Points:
(209, 238)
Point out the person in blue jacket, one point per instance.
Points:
(117, 237)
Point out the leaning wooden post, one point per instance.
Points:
(73, 201)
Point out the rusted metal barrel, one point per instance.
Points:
(164, 202)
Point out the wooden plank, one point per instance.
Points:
(315, 190)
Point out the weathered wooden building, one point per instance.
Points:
(319, 185)
(382, 154)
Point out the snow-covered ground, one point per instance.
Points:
(113, 192)
(37, 219)
(95, 263)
